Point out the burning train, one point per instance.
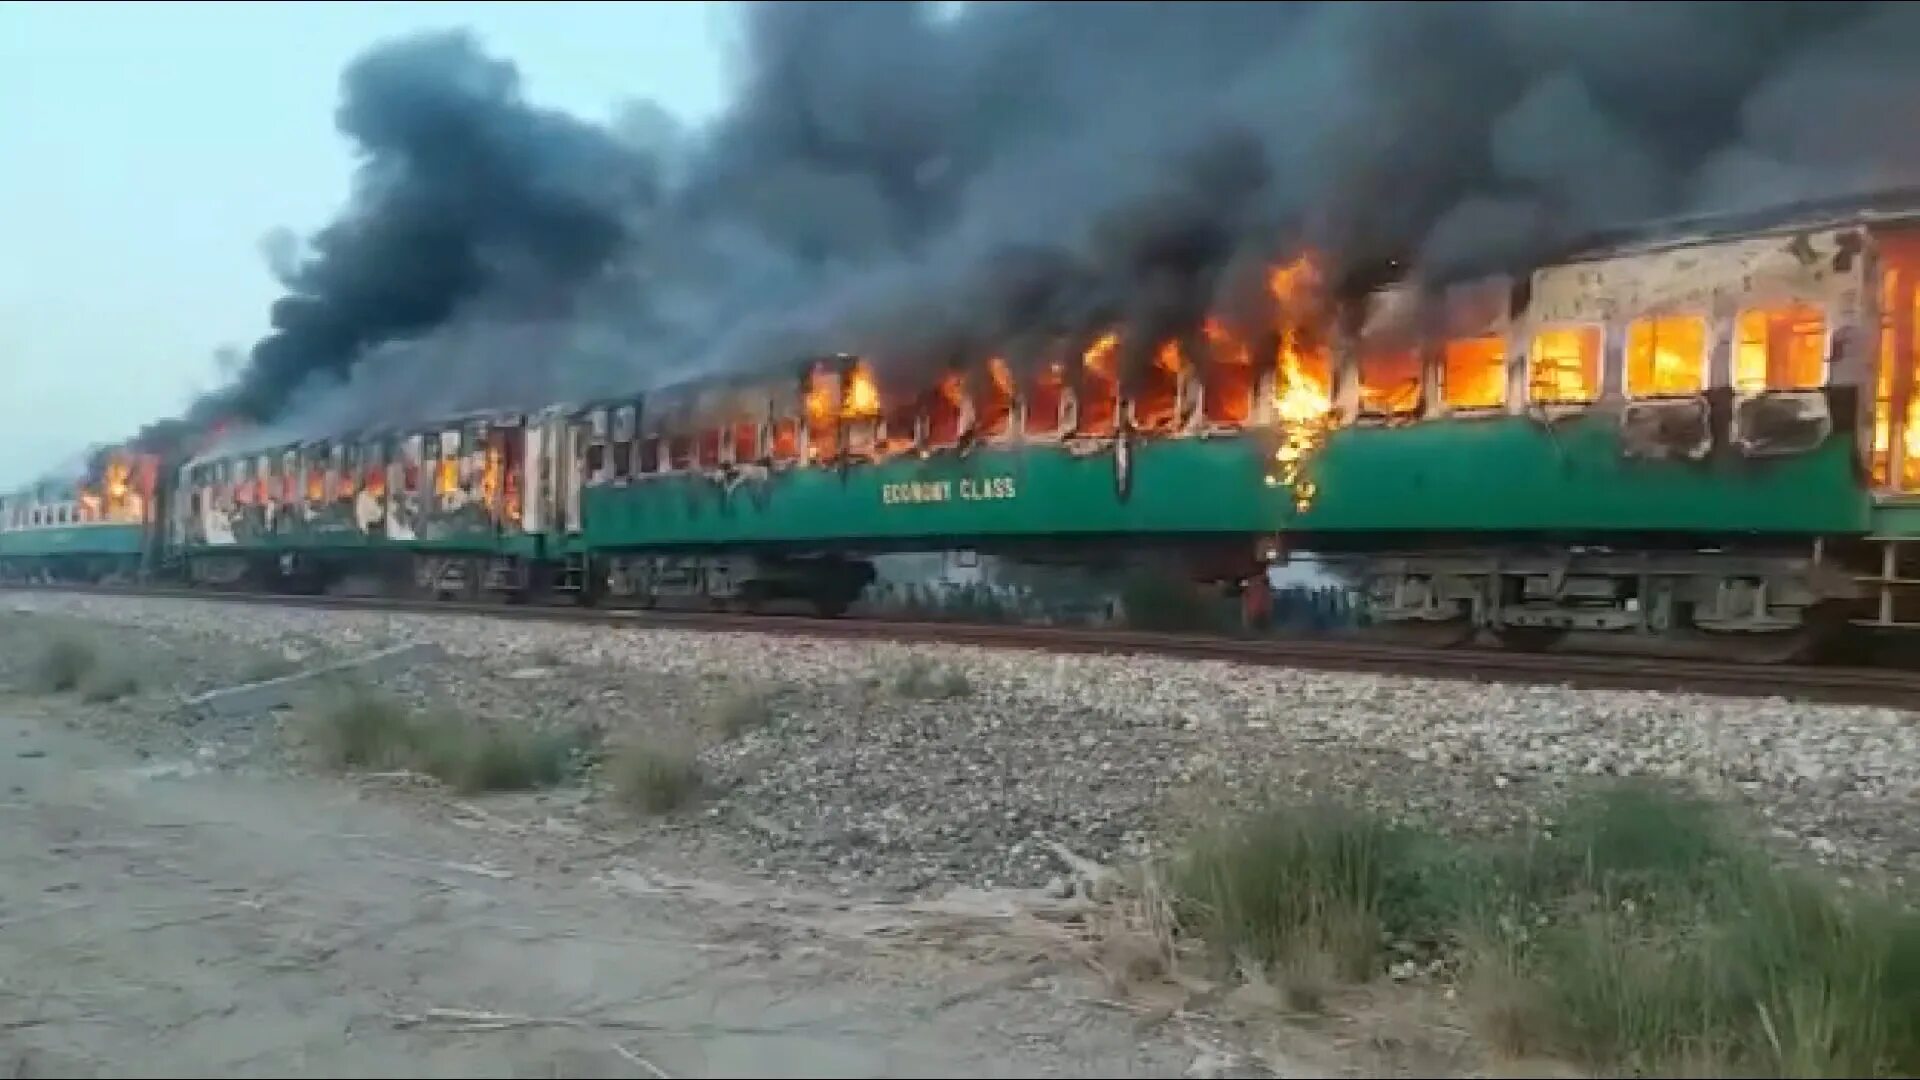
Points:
(1698, 437)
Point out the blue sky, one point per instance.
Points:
(146, 148)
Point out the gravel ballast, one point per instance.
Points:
(914, 766)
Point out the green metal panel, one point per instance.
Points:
(72, 540)
(1897, 518)
(1185, 485)
(333, 528)
(1488, 475)
(1514, 473)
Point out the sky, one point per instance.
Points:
(146, 148)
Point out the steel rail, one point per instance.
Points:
(1857, 685)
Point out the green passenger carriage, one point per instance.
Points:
(1700, 437)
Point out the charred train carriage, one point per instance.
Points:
(1702, 438)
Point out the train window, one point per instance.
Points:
(1892, 288)
(1228, 379)
(746, 441)
(1389, 381)
(623, 431)
(1666, 356)
(823, 412)
(1564, 365)
(902, 428)
(943, 411)
(1044, 403)
(993, 411)
(346, 472)
(709, 448)
(1305, 376)
(1780, 349)
(596, 462)
(375, 471)
(263, 479)
(651, 460)
(680, 452)
(785, 439)
(1473, 373)
(1098, 393)
(1155, 403)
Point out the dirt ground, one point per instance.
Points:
(159, 919)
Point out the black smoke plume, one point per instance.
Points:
(930, 188)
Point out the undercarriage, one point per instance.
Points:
(1755, 605)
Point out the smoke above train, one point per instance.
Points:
(1013, 185)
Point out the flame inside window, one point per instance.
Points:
(513, 465)
(863, 397)
(901, 428)
(1895, 366)
(1303, 390)
(1098, 394)
(1564, 366)
(1389, 381)
(447, 477)
(1228, 379)
(746, 441)
(1780, 349)
(823, 411)
(1893, 288)
(943, 411)
(1667, 356)
(1043, 404)
(786, 439)
(491, 465)
(1156, 402)
(316, 481)
(1474, 373)
(994, 409)
(376, 485)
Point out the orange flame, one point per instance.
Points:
(490, 474)
(862, 397)
(1303, 399)
(1099, 355)
(1001, 374)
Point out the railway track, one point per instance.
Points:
(1855, 685)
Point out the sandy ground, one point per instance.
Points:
(157, 919)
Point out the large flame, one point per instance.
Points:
(490, 473)
(862, 399)
(1302, 399)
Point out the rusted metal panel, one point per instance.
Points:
(1717, 278)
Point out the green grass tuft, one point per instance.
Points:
(1640, 935)
(63, 664)
(926, 680)
(104, 684)
(368, 731)
(654, 777)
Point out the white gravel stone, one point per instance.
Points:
(1090, 749)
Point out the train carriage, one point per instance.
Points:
(1703, 436)
(87, 527)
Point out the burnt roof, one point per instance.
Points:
(1893, 206)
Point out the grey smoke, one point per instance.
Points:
(930, 191)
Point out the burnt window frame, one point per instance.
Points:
(1505, 382)
(1708, 342)
(1827, 331)
(1601, 363)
